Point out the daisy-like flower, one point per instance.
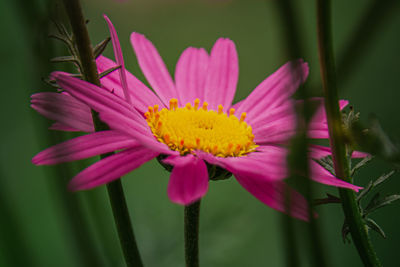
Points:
(189, 123)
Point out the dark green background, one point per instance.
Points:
(236, 229)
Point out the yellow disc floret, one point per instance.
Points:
(191, 128)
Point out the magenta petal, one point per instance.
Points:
(275, 90)
(84, 147)
(153, 67)
(189, 179)
(222, 75)
(119, 58)
(321, 175)
(190, 75)
(268, 159)
(64, 109)
(318, 152)
(272, 194)
(111, 168)
(61, 127)
(142, 96)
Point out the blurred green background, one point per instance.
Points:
(236, 229)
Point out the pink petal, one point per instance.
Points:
(119, 58)
(113, 110)
(321, 175)
(222, 75)
(153, 67)
(84, 147)
(61, 127)
(276, 126)
(111, 168)
(189, 179)
(190, 75)
(272, 193)
(270, 160)
(318, 152)
(320, 114)
(63, 109)
(276, 89)
(142, 96)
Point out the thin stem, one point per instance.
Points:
(115, 190)
(356, 223)
(298, 157)
(192, 215)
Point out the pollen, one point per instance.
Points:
(194, 127)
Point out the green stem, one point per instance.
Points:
(352, 213)
(298, 158)
(115, 190)
(192, 215)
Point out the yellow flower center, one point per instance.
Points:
(191, 128)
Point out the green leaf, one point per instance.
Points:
(377, 203)
(106, 72)
(99, 48)
(383, 178)
(361, 164)
(326, 163)
(63, 59)
(374, 226)
(365, 191)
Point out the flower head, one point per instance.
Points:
(189, 121)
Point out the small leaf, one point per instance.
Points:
(383, 178)
(365, 191)
(374, 226)
(345, 232)
(105, 73)
(360, 164)
(379, 203)
(327, 164)
(63, 59)
(372, 203)
(99, 48)
(330, 199)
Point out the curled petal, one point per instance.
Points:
(189, 179)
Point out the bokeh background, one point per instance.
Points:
(41, 224)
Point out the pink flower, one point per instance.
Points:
(189, 120)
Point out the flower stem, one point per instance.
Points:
(192, 215)
(352, 213)
(115, 190)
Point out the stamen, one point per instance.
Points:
(198, 143)
(196, 103)
(205, 106)
(220, 109)
(151, 111)
(155, 108)
(231, 111)
(188, 106)
(147, 115)
(237, 150)
(166, 138)
(242, 116)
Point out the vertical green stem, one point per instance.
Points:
(115, 190)
(298, 158)
(352, 213)
(192, 216)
